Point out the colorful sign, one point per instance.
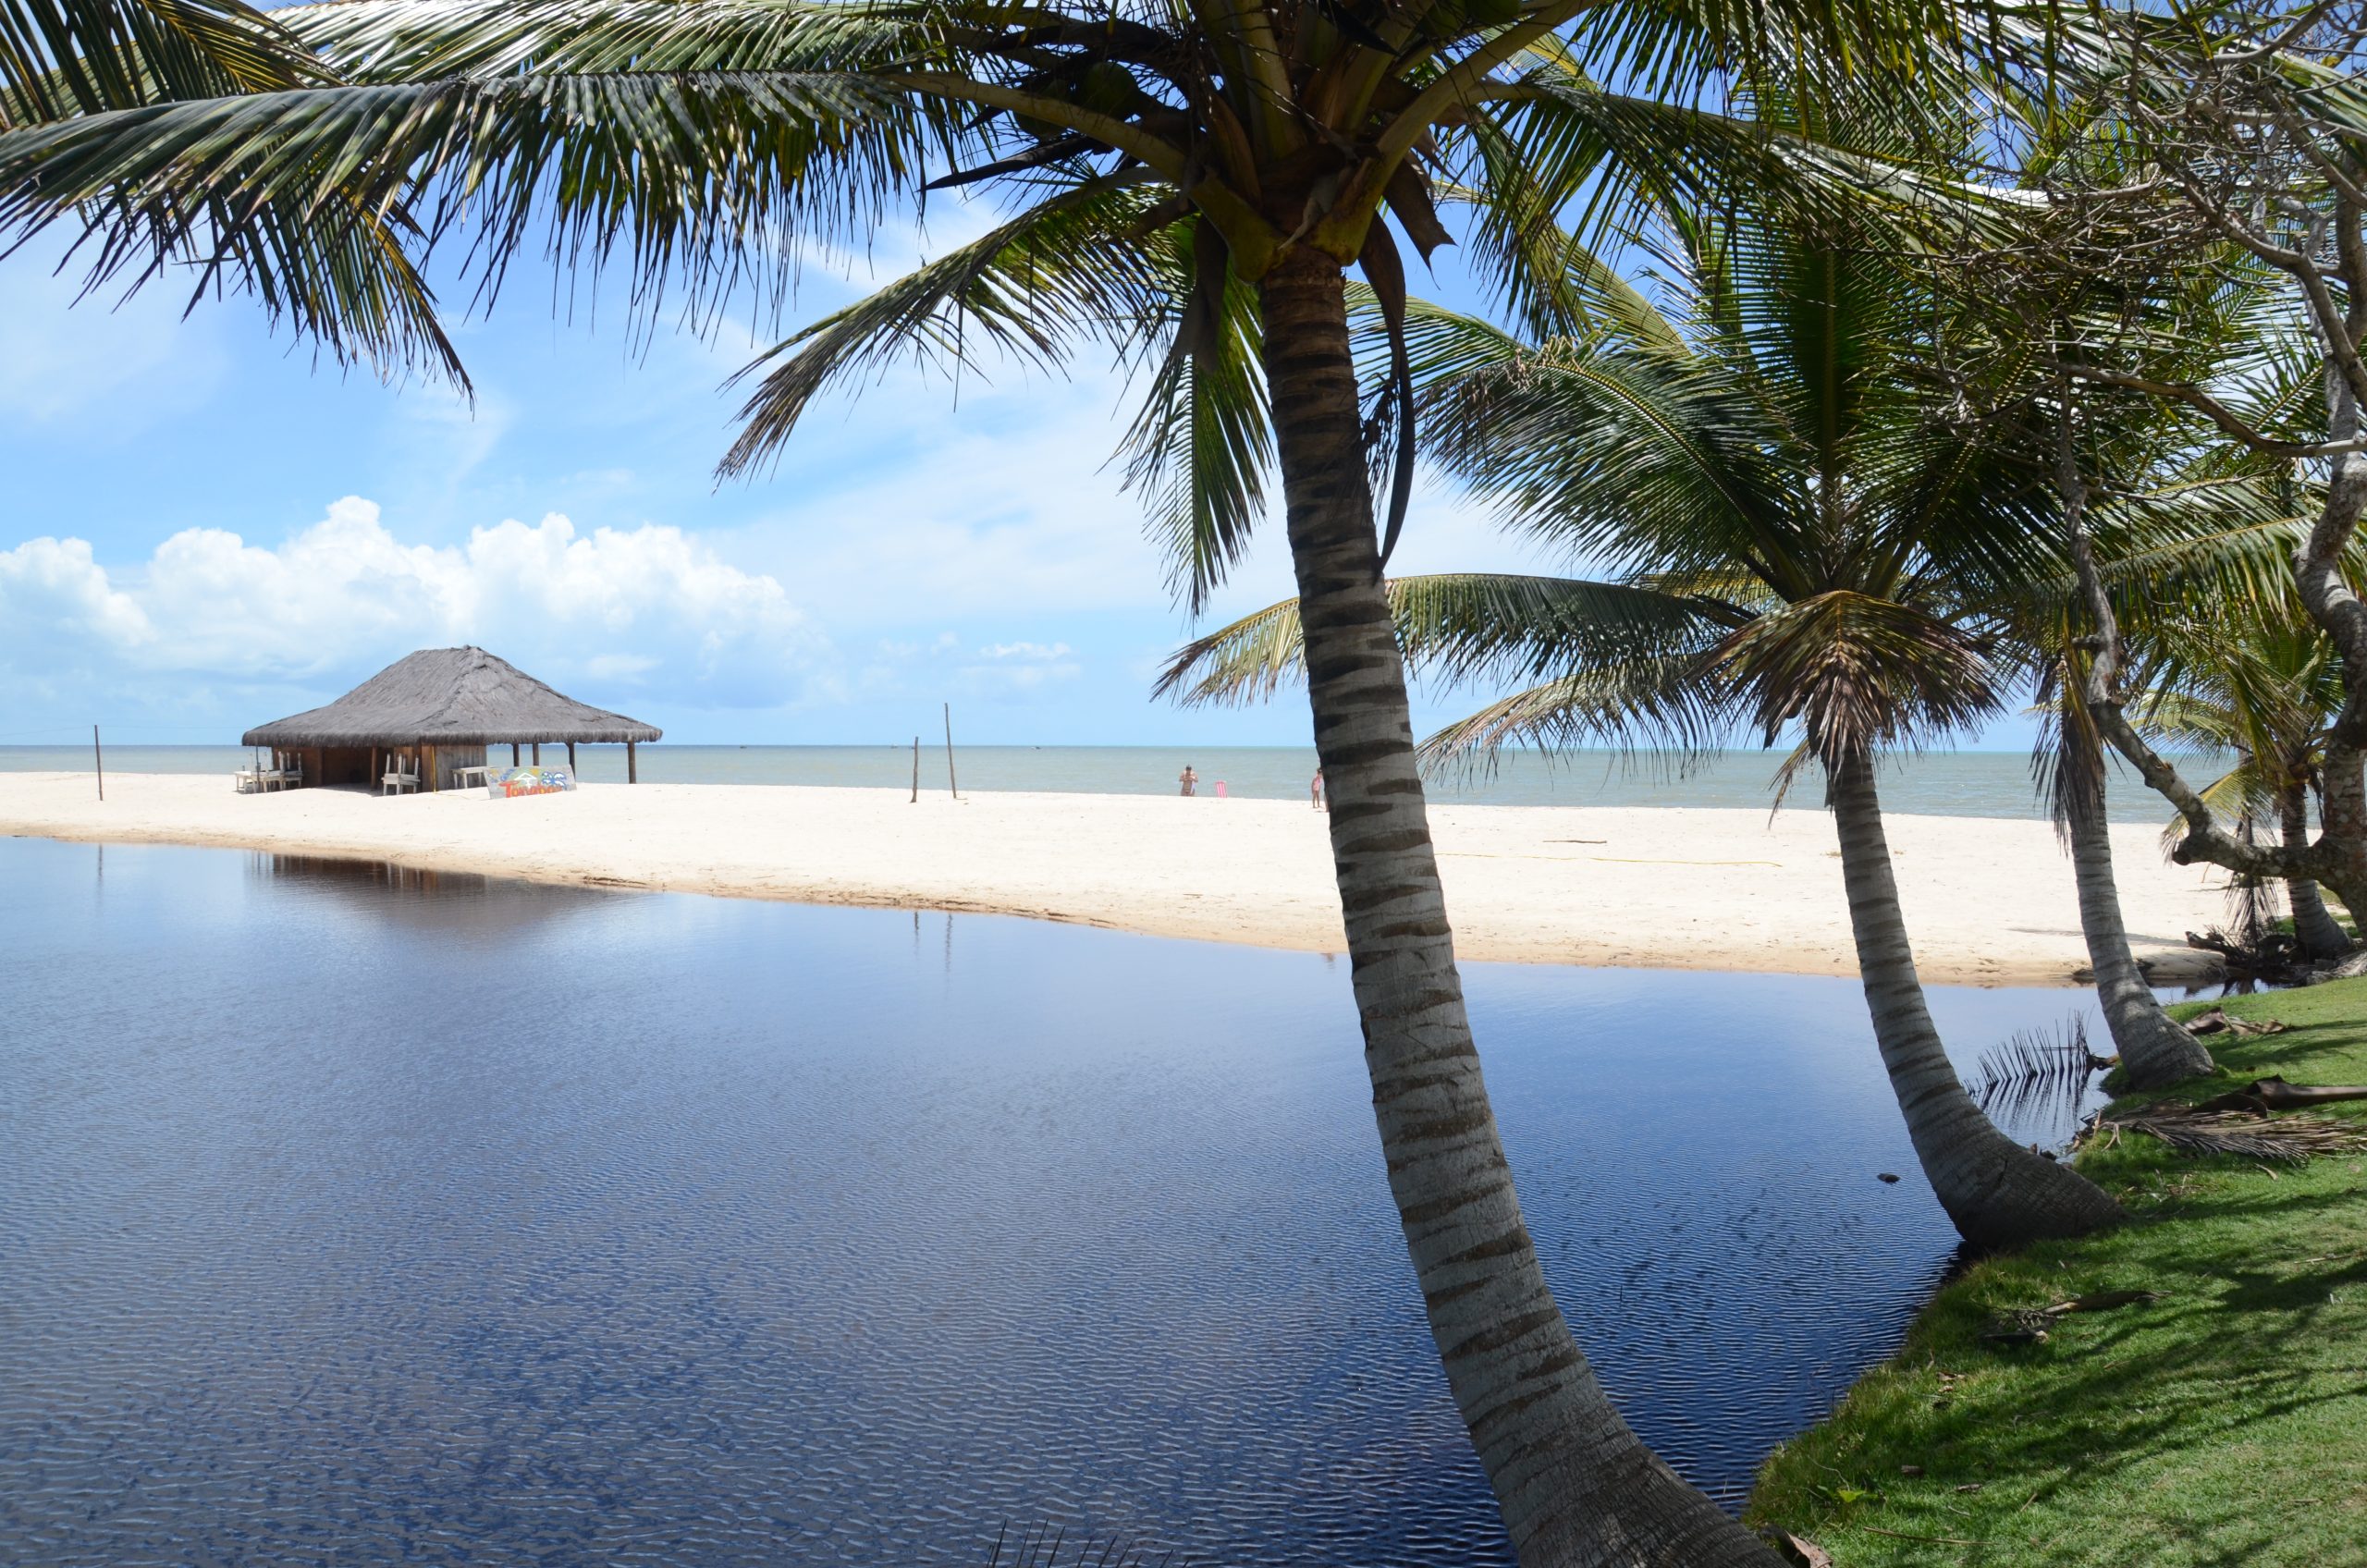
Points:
(503, 783)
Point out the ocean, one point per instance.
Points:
(1938, 784)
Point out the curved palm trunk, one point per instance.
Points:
(2314, 927)
(2154, 1051)
(1577, 1486)
(1999, 1194)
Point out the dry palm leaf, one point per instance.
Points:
(2292, 1140)
(2216, 1022)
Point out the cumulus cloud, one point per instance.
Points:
(647, 608)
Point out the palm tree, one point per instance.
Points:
(1190, 181)
(1802, 537)
(2155, 1050)
(2264, 686)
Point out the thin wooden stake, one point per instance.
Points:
(916, 771)
(99, 762)
(950, 782)
(632, 769)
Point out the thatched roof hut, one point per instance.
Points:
(443, 706)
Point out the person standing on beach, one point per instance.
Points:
(1189, 779)
(1315, 789)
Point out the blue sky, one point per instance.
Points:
(204, 528)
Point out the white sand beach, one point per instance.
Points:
(1989, 901)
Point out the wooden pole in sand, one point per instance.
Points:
(949, 782)
(98, 762)
(632, 769)
(570, 758)
(916, 772)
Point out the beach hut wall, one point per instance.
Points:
(456, 700)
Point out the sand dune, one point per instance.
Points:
(1988, 900)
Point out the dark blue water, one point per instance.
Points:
(357, 1216)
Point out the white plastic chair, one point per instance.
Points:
(397, 779)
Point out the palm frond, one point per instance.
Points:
(1857, 674)
(1200, 449)
(1028, 288)
(64, 57)
(1462, 625)
(1662, 705)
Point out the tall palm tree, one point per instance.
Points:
(2155, 1050)
(1192, 180)
(1802, 538)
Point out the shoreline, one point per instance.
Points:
(1989, 901)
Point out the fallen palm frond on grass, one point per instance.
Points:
(2244, 1133)
(2216, 1022)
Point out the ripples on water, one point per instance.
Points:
(353, 1215)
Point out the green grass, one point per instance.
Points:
(2223, 1423)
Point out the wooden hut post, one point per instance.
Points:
(434, 783)
(538, 753)
(570, 758)
(513, 754)
(632, 770)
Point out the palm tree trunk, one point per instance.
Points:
(1577, 1486)
(2312, 927)
(1999, 1194)
(2154, 1051)
(2341, 860)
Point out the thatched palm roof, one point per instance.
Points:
(449, 697)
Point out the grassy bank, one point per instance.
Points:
(2224, 1422)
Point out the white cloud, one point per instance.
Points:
(650, 608)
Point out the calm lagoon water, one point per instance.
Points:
(351, 1217)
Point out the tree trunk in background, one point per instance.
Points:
(2154, 1051)
(1577, 1487)
(2314, 928)
(1999, 1194)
